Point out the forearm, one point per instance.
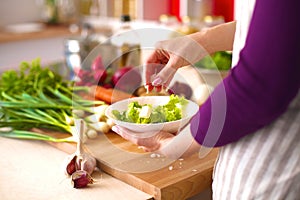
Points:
(181, 145)
(217, 38)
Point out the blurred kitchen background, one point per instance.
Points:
(46, 28)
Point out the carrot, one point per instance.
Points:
(109, 95)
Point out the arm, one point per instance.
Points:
(217, 38)
(170, 55)
(261, 86)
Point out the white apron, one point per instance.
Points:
(264, 165)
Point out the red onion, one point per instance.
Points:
(97, 64)
(127, 79)
(100, 76)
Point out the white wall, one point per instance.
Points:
(13, 53)
(18, 11)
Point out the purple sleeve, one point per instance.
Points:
(262, 84)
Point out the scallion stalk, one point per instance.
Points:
(36, 97)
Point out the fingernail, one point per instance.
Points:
(157, 81)
(115, 129)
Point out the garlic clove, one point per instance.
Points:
(89, 164)
(80, 162)
(71, 166)
(81, 179)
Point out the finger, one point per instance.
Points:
(122, 132)
(165, 76)
(148, 143)
(154, 63)
(152, 57)
(128, 135)
(151, 69)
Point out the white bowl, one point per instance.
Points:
(138, 129)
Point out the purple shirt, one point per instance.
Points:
(262, 84)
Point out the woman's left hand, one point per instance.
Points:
(156, 142)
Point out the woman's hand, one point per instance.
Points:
(150, 144)
(170, 55)
(170, 145)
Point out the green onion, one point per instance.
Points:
(29, 135)
(36, 97)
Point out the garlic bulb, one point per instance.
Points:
(80, 160)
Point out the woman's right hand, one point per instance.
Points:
(170, 55)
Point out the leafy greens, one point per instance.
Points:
(168, 112)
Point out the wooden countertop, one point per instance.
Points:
(47, 31)
(33, 170)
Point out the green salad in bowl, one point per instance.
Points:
(147, 113)
(152, 113)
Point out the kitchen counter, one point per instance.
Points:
(33, 170)
(46, 32)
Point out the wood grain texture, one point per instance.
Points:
(160, 177)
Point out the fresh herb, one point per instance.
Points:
(36, 97)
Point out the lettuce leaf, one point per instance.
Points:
(171, 111)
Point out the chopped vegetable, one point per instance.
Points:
(102, 127)
(108, 95)
(137, 113)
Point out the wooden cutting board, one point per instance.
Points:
(158, 176)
